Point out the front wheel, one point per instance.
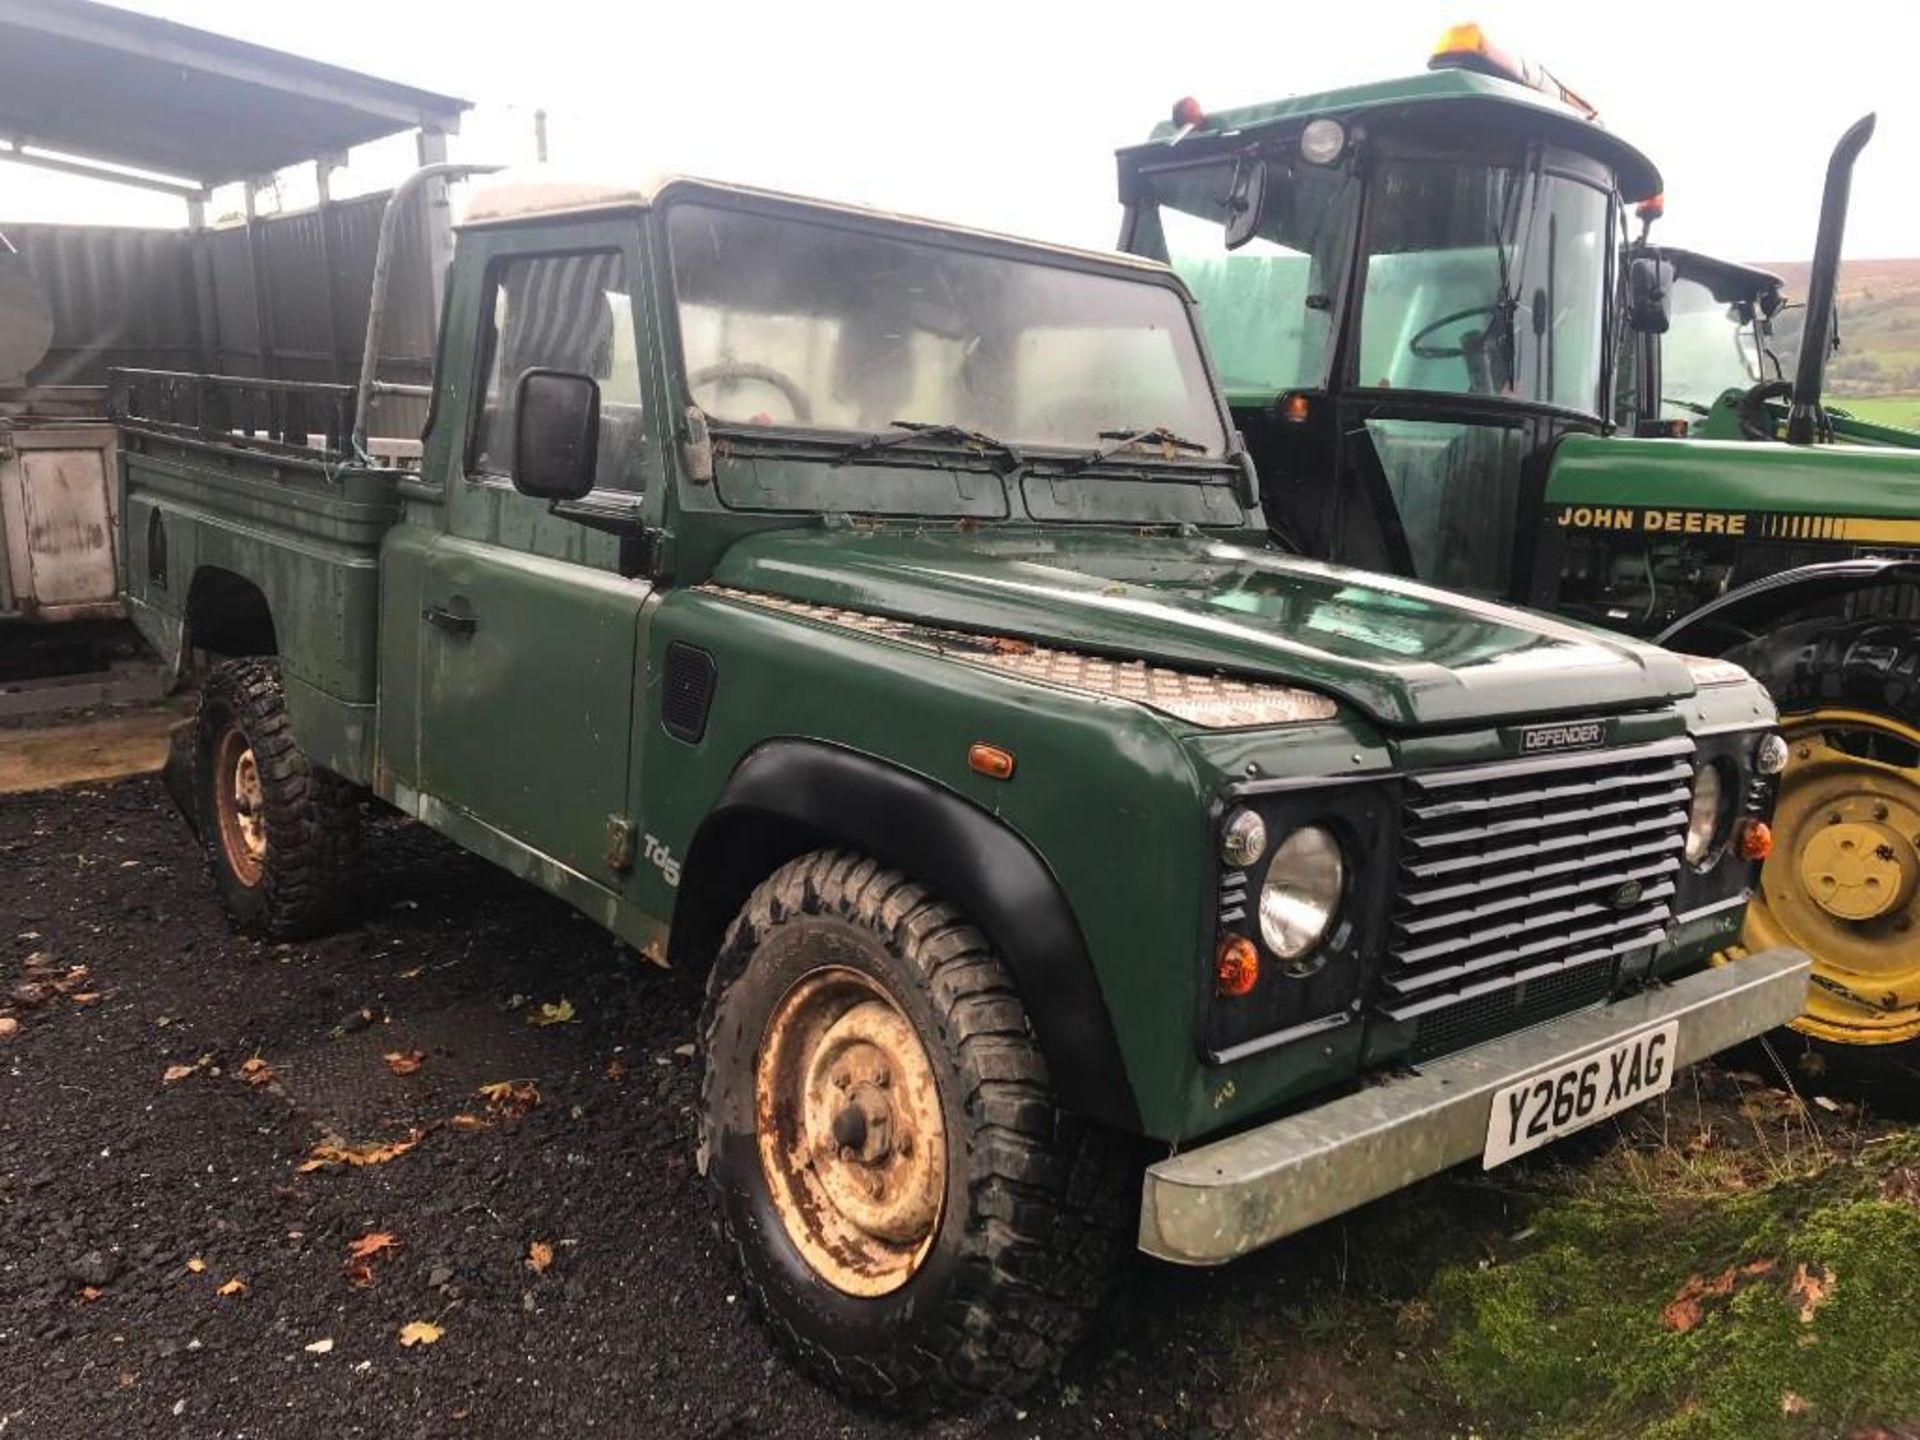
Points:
(1843, 881)
(282, 833)
(914, 1216)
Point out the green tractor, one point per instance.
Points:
(1435, 330)
(1718, 372)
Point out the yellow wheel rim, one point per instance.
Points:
(240, 807)
(852, 1140)
(1843, 882)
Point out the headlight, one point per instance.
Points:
(1302, 892)
(1770, 755)
(1243, 839)
(1705, 816)
(1322, 141)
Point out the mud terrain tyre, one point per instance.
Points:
(914, 1216)
(1843, 882)
(282, 834)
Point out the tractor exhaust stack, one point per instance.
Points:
(1806, 421)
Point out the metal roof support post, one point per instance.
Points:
(323, 168)
(436, 217)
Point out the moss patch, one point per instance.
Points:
(1573, 1337)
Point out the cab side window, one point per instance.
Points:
(561, 312)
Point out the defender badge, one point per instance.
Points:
(1568, 735)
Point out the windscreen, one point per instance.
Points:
(1267, 306)
(1485, 280)
(800, 322)
(1708, 349)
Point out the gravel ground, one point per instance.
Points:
(167, 1266)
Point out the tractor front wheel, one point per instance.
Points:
(1843, 882)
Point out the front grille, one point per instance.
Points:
(1523, 884)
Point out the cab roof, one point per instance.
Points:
(535, 193)
(1410, 96)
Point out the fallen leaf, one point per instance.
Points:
(177, 1072)
(1684, 1311)
(235, 1286)
(320, 1347)
(329, 1152)
(616, 1069)
(9, 1027)
(376, 1242)
(1809, 1289)
(90, 1293)
(685, 1052)
(403, 1062)
(257, 1072)
(1792, 1404)
(196, 1265)
(419, 1332)
(75, 977)
(87, 997)
(359, 1274)
(539, 1257)
(413, 974)
(511, 1096)
(470, 1123)
(546, 1015)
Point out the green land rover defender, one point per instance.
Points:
(879, 618)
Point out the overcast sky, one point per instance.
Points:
(1005, 113)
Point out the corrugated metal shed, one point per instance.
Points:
(119, 89)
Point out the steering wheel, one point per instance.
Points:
(1451, 352)
(1751, 409)
(795, 397)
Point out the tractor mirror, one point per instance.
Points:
(1649, 295)
(1246, 201)
(556, 434)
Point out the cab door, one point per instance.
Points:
(530, 635)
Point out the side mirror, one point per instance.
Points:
(1649, 295)
(1246, 201)
(556, 434)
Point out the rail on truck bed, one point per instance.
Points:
(308, 420)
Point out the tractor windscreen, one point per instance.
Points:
(1269, 306)
(1476, 278)
(1710, 348)
(807, 324)
(1485, 280)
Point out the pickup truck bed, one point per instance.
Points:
(241, 477)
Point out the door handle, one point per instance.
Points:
(451, 621)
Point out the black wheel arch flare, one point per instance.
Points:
(788, 796)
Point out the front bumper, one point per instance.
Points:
(1207, 1206)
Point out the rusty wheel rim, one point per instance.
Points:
(239, 806)
(852, 1140)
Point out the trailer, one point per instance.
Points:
(180, 112)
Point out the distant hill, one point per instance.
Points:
(1879, 325)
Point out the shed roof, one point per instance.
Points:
(105, 85)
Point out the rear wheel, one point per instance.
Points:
(1843, 881)
(914, 1216)
(282, 834)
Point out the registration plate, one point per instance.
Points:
(1541, 1108)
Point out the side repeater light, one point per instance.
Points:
(990, 761)
(1754, 840)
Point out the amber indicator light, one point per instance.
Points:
(1236, 966)
(1295, 409)
(1756, 840)
(990, 761)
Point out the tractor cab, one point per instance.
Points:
(1412, 291)
(1730, 337)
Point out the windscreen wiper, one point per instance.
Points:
(912, 431)
(1126, 440)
